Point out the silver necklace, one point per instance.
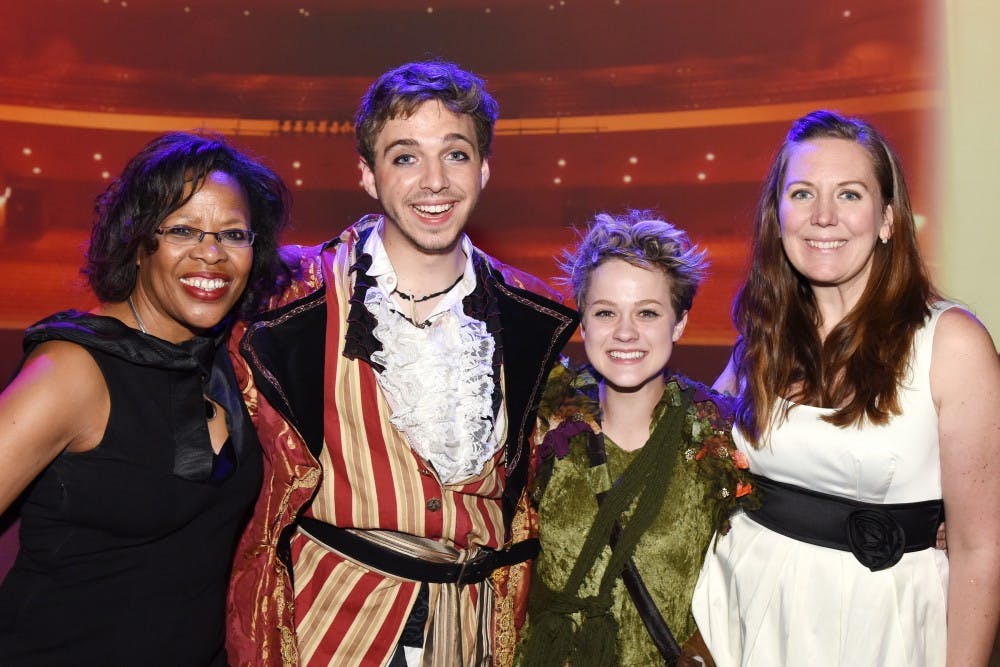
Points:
(210, 410)
(135, 314)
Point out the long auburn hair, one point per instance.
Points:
(858, 369)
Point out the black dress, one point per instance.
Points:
(126, 549)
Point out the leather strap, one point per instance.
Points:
(354, 545)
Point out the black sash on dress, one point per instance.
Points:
(877, 534)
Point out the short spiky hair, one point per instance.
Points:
(398, 93)
(642, 239)
(154, 184)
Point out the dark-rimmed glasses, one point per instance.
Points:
(184, 235)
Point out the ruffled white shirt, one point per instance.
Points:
(438, 380)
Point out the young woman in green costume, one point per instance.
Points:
(637, 466)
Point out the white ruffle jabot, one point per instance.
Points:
(438, 381)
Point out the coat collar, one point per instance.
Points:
(286, 349)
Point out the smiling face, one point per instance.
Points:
(629, 327)
(832, 214)
(184, 290)
(427, 176)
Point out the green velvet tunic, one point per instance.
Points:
(700, 491)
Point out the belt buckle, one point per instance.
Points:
(475, 569)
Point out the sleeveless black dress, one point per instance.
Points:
(126, 549)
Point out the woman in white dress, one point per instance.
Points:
(868, 409)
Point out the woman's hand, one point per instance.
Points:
(727, 382)
(941, 541)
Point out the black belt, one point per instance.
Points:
(407, 567)
(878, 535)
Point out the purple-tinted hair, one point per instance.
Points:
(400, 91)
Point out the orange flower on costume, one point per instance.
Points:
(743, 489)
(741, 460)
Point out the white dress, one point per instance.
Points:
(765, 600)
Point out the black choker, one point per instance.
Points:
(412, 299)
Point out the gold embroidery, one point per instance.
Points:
(289, 649)
(503, 619)
(248, 350)
(564, 323)
(507, 584)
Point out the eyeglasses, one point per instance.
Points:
(184, 235)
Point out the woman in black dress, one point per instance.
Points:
(124, 429)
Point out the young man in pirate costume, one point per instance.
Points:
(394, 385)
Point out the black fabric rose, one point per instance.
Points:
(876, 538)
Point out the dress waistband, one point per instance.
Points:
(877, 534)
(416, 558)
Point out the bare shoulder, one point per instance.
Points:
(61, 384)
(57, 402)
(58, 361)
(960, 335)
(964, 359)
